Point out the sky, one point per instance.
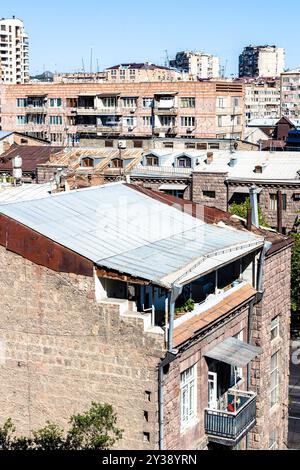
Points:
(63, 32)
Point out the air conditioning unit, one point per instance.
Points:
(122, 145)
(130, 128)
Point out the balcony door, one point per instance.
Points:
(213, 390)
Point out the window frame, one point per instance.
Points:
(274, 371)
(275, 327)
(188, 389)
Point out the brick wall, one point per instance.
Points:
(64, 350)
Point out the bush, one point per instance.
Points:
(94, 429)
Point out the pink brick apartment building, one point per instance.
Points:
(65, 113)
(92, 307)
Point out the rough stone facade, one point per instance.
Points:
(214, 182)
(63, 350)
(276, 301)
(224, 190)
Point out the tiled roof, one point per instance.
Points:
(190, 328)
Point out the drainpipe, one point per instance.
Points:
(254, 205)
(261, 267)
(175, 293)
(279, 211)
(249, 339)
(170, 357)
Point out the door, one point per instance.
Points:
(213, 390)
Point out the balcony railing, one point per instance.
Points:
(166, 130)
(174, 172)
(166, 111)
(110, 129)
(87, 129)
(229, 428)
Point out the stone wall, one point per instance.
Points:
(195, 437)
(206, 181)
(63, 350)
(276, 301)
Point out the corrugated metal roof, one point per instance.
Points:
(32, 155)
(234, 352)
(25, 192)
(120, 228)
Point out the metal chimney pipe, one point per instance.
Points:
(254, 205)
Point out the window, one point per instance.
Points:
(188, 102)
(138, 144)
(184, 162)
(188, 121)
(235, 102)
(220, 121)
(129, 121)
(274, 375)
(21, 120)
(221, 103)
(284, 202)
(55, 102)
(117, 163)
(147, 102)
(202, 146)
(167, 121)
(188, 396)
(190, 145)
(168, 145)
(109, 102)
(215, 146)
(209, 194)
(130, 102)
(275, 328)
(21, 102)
(152, 160)
(273, 202)
(109, 143)
(55, 120)
(58, 138)
(87, 162)
(72, 102)
(147, 121)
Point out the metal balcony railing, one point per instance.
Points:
(227, 427)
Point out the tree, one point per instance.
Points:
(94, 429)
(241, 210)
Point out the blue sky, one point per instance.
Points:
(62, 32)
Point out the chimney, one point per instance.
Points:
(254, 205)
(209, 158)
(233, 161)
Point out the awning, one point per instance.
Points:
(166, 93)
(173, 187)
(243, 189)
(234, 352)
(108, 95)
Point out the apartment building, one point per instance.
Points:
(85, 323)
(143, 72)
(14, 55)
(262, 61)
(197, 64)
(262, 99)
(65, 113)
(290, 94)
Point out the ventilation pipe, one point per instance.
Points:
(233, 161)
(254, 205)
(17, 169)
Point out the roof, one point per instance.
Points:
(143, 65)
(234, 352)
(278, 166)
(190, 328)
(120, 228)
(31, 155)
(26, 192)
(4, 134)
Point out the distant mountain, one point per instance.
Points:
(44, 77)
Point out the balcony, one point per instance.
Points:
(87, 111)
(172, 111)
(87, 129)
(229, 428)
(36, 109)
(109, 129)
(167, 130)
(112, 111)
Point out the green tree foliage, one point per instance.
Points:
(241, 210)
(95, 429)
